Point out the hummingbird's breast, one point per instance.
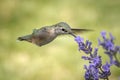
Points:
(44, 36)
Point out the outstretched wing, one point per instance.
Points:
(78, 31)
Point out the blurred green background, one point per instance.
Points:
(59, 60)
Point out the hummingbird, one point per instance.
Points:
(47, 34)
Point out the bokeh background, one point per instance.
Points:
(59, 60)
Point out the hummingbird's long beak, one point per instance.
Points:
(72, 34)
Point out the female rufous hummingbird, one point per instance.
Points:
(47, 34)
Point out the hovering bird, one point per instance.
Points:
(47, 34)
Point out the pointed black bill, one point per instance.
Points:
(72, 34)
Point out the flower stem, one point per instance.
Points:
(101, 70)
(116, 58)
(107, 78)
(91, 55)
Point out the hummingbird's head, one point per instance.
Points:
(25, 38)
(63, 28)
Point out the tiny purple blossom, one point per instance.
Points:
(109, 45)
(117, 63)
(91, 73)
(79, 39)
(103, 34)
(97, 62)
(106, 71)
(87, 73)
(85, 47)
(106, 67)
(86, 58)
(95, 52)
(87, 42)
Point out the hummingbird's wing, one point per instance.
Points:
(77, 31)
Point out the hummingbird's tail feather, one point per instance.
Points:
(25, 38)
(77, 31)
(20, 39)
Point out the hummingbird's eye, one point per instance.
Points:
(64, 30)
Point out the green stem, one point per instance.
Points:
(101, 70)
(107, 78)
(116, 58)
(91, 55)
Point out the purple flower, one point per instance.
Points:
(103, 34)
(110, 45)
(86, 58)
(79, 40)
(117, 63)
(106, 44)
(87, 74)
(110, 49)
(95, 52)
(106, 67)
(85, 47)
(88, 44)
(106, 71)
(97, 61)
(95, 70)
(91, 73)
